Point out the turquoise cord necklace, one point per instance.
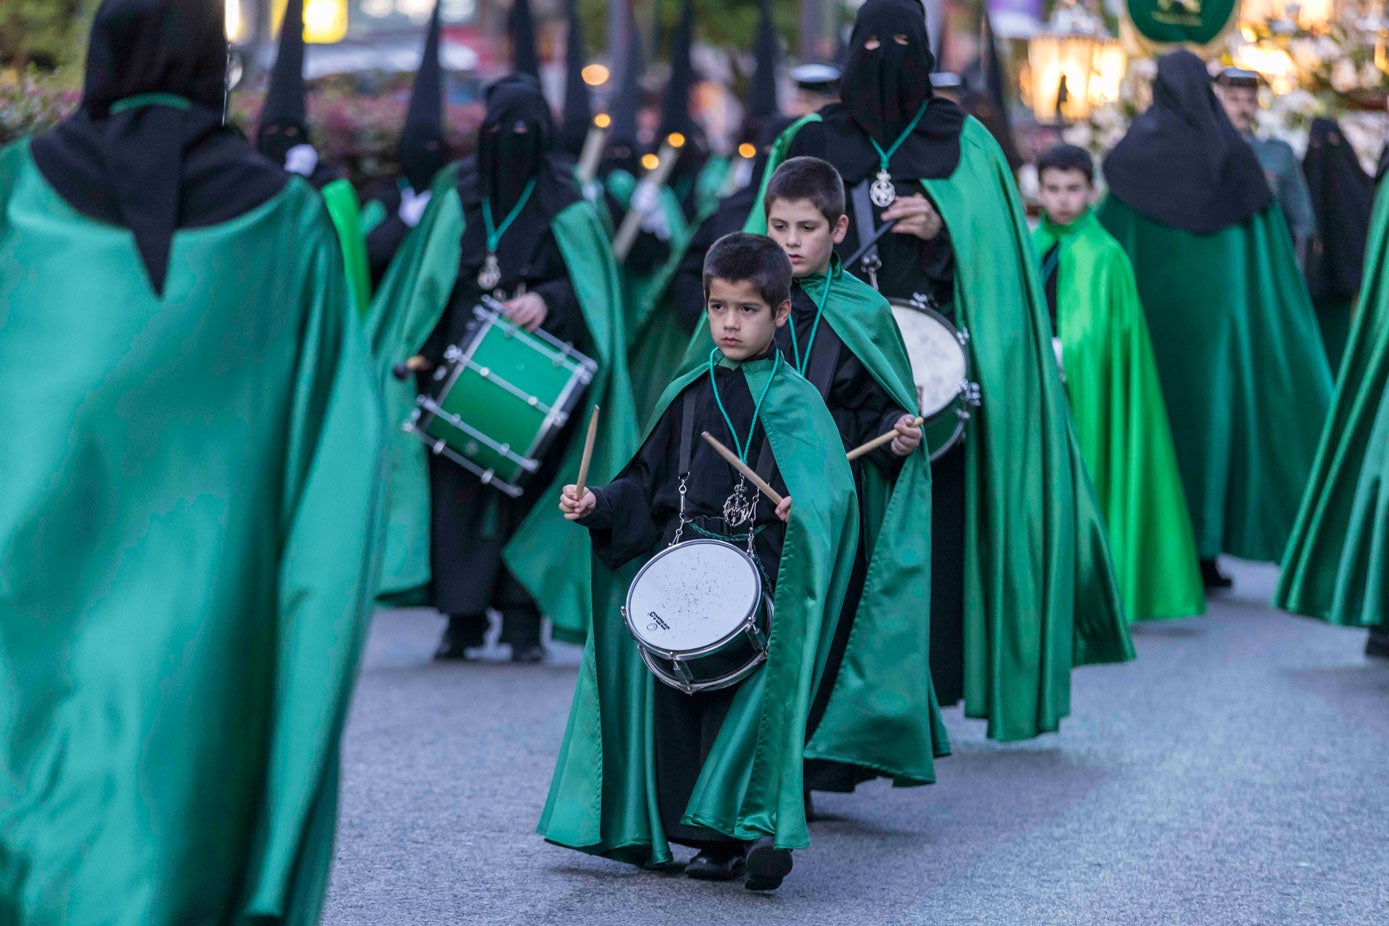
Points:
(491, 273)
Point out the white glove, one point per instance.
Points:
(1056, 346)
(301, 160)
(646, 199)
(412, 206)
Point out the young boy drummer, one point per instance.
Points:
(644, 764)
(874, 712)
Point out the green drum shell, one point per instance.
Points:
(551, 378)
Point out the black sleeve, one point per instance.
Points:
(623, 524)
(937, 258)
(688, 285)
(863, 410)
(383, 242)
(564, 318)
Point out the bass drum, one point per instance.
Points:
(941, 367)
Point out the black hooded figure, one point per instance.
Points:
(676, 118)
(761, 104)
(423, 153)
(1342, 198)
(886, 97)
(283, 135)
(147, 149)
(1182, 163)
(578, 106)
(521, 25)
(515, 170)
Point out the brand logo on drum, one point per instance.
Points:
(656, 622)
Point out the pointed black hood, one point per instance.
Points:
(622, 139)
(578, 106)
(423, 149)
(146, 149)
(522, 26)
(284, 120)
(762, 96)
(675, 104)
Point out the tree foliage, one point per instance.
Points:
(46, 34)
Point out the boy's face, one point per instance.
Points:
(740, 320)
(1064, 194)
(804, 234)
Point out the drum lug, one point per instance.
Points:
(920, 300)
(438, 447)
(969, 392)
(962, 335)
(561, 419)
(452, 353)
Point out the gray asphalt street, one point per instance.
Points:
(1236, 773)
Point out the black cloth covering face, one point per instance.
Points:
(470, 522)
(1342, 198)
(636, 515)
(881, 91)
(1182, 163)
(157, 168)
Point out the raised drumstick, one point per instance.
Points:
(588, 455)
(742, 467)
(884, 438)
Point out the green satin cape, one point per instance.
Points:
(1040, 590)
(1243, 371)
(189, 524)
(412, 298)
(882, 713)
(345, 210)
(1121, 421)
(1337, 566)
(603, 796)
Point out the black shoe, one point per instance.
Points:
(1378, 643)
(767, 865)
(716, 864)
(527, 652)
(1212, 578)
(459, 637)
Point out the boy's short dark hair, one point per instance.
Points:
(743, 257)
(1067, 157)
(808, 178)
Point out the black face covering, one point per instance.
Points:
(275, 140)
(1342, 198)
(516, 134)
(882, 90)
(147, 149)
(1182, 163)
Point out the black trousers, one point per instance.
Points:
(685, 729)
(948, 575)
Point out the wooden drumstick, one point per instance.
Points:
(885, 438)
(414, 365)
(742, 467)
(587, 457)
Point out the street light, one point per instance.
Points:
(1074, 64)
(325, 21)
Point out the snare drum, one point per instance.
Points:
(502, 396)
(699, 616)
(941, 367)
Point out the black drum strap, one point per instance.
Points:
(867, 255)
(823, 363)
(687, 417)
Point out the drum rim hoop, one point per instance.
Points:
(747, 619)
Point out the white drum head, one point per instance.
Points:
(692, 595)
(937, 357)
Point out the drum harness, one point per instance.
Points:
(766, 463)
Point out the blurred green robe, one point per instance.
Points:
(189, 528)
(1121, 421)
(1243, 371)
(1337, 565)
